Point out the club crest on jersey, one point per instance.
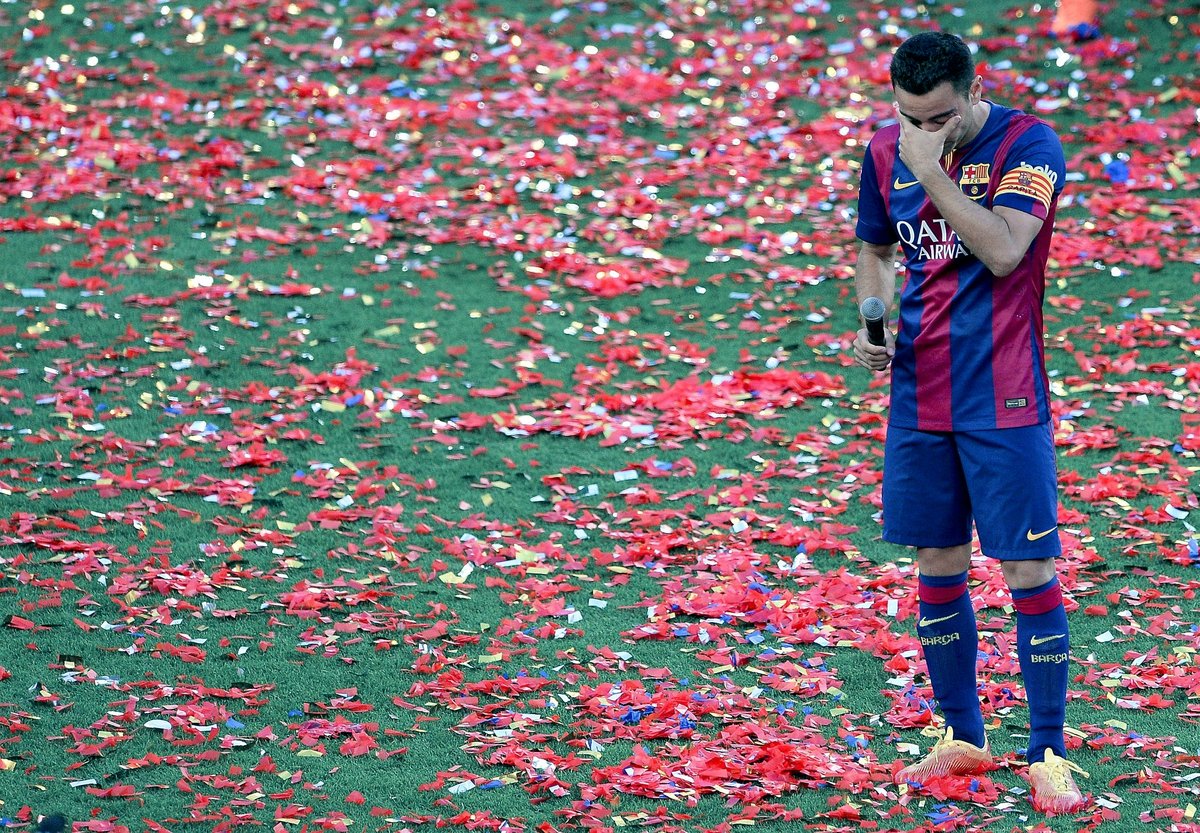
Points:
(973, 179)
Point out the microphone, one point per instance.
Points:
(872, 311)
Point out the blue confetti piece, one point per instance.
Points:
(1117, 171)
(633, 716)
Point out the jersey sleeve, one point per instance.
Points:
(873, 223)
(1033, 175)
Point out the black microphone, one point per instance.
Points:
(872, 311)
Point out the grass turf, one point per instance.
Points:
(335, 500)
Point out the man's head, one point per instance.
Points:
(930, 59)
(934, 81)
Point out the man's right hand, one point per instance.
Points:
(874, 356)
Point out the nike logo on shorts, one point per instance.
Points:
(1035, 536)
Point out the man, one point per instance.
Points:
(968, 189)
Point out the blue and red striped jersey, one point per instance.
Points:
(969, 353)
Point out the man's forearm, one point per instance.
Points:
(986, 234)
(875, 275)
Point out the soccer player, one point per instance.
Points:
(967, 188)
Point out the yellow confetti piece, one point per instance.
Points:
(459, 577)
(311, 753)
(7, 764)
(332, 407)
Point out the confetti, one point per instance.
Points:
(497, 364)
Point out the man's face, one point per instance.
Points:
(931, 111)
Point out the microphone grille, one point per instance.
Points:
(872, 309)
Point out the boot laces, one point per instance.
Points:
(1059, 771)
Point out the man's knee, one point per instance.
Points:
(943, 561)
(1026, 574)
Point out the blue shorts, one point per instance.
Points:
(935, 484)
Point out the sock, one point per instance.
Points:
(950, 644)
(1044, 649)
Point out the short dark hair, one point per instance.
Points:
(929, 59)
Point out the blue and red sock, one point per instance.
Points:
(1044, 649)
(950, 643)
